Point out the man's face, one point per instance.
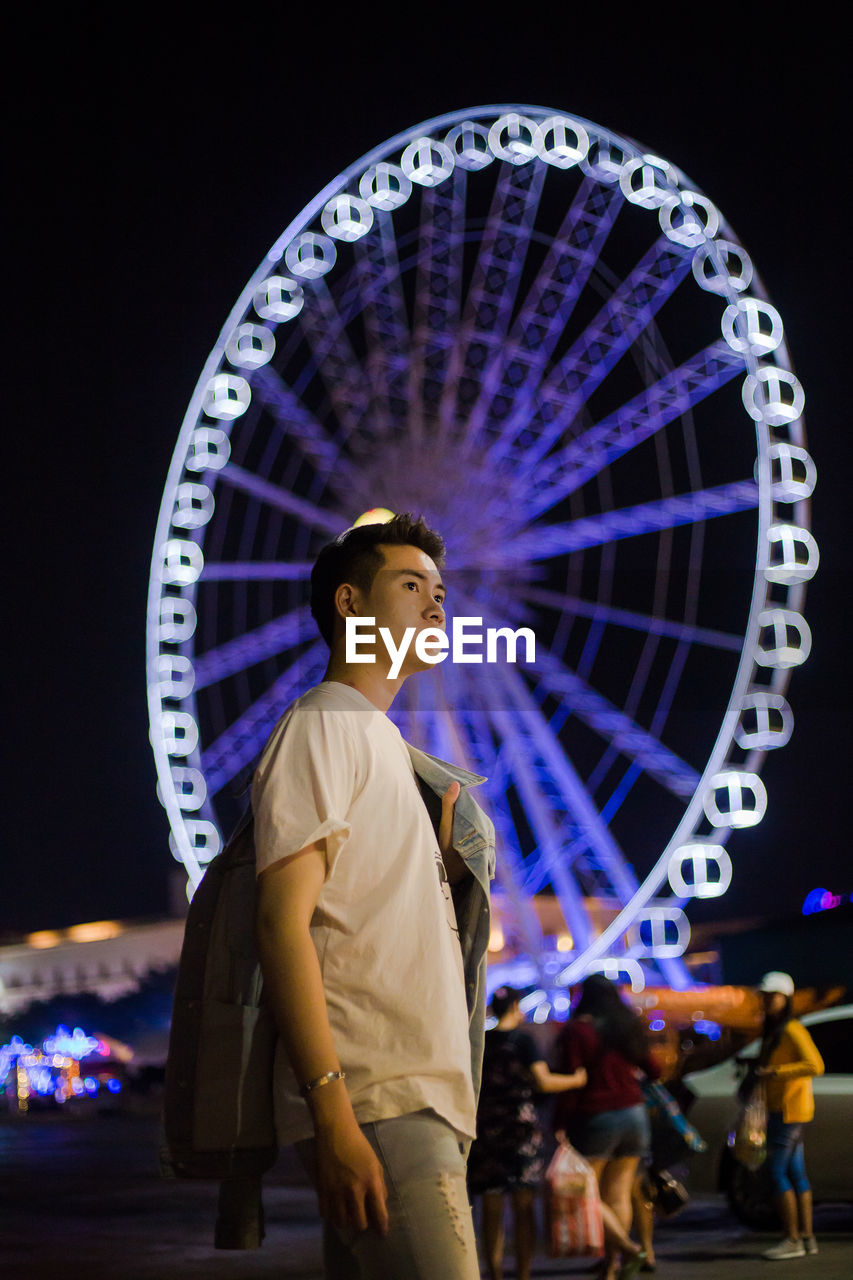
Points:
(406, 592)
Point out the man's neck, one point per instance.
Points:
(368, 679)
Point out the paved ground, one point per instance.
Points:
(82, 1199)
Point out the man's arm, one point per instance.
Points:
(350, 1181)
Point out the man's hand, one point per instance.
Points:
(350, 1180)
(453, 864)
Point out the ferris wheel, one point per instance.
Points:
(551, 344)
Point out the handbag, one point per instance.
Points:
(749, 1139)
(575, 1228)
(670, 1195)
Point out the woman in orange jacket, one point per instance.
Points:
(787, 1061)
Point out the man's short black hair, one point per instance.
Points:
(356, 557)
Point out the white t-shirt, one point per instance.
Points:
(336, 768)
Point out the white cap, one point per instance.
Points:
(782, 983)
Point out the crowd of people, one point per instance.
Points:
(606, 1109)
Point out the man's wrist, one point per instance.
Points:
(330, 1107)
(328, 1077)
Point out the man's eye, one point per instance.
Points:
(412, 584)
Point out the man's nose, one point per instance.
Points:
(435, 613)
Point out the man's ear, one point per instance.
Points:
(347, 598)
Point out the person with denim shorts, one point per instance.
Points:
(609, 1123)
(787, 1061)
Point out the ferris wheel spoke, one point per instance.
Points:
(598, 713)
(243, 740)
(639, 679)
(491, 297)
(547, 541)
(509, 382)
(661, 714)
(576, 857)
(617, 325)
(226, 659)
(579, 804)
(255, 570)
(540, 813)
(515, 600)
(385, 319)
(341, 372)
(534, 871)
(509, 866)
(508, 872)
(584, 458)
(300, 426)
(274, 496)
(615, 726)
(539, 868)
(438, 296)
(628, 618)
(512, 768)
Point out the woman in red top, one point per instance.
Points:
(607, 1121)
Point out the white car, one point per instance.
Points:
(827, 1138)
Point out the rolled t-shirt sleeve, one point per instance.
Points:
(304, 787)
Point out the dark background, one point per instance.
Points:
(152, 162)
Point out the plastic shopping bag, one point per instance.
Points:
(574, 1208)
(749, 1139)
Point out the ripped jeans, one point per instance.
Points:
(431, 1233)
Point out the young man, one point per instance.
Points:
(358, 938)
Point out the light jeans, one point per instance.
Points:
(431, 1233)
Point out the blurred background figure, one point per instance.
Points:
(507, 1155)
(786, 1062)
(658, 1190)
(608, 1123)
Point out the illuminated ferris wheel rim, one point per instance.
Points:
(519, 134)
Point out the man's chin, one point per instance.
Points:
(414, 665)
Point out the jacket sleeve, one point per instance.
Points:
(808, 1061)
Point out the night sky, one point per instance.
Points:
(151, 167)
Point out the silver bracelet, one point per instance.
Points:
(321, 1080)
